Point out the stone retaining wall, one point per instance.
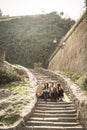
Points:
(77, 95)
(71, 53)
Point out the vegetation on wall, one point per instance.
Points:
(29, 39)
(78, 78)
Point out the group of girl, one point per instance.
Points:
(52, 90)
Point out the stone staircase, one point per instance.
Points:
(50, 115)
(53, 116)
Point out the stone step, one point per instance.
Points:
(51, 123)
(50, 102)
(56, 105)
(55, 108)
(52, 128)
(56, 111)
(53, 115)
(56, 119)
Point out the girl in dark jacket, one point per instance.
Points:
(60, 92)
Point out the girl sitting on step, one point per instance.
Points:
(60, 92)
(46, 91)
(53, 91)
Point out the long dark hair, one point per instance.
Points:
(46, 85)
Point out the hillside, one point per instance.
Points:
(29, 39)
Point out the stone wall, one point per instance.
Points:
(72, 51)
(77, 95)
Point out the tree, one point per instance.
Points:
(61, 13)
(0, 12)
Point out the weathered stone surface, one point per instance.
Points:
(2, 113)
(4, 93)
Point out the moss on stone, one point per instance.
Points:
(9, 119)
(82, 81)
(73, 75)
(18, 87)
(79, 79)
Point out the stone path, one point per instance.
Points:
(52, 115)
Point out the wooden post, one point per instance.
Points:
(2, 54)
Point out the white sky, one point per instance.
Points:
(71, 8)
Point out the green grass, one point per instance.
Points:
(19, 87)
(9, 119)
(73, 75)
(79, 79)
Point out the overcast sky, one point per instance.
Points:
(71, 8)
